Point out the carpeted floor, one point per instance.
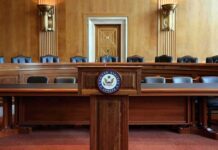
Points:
(78, 139)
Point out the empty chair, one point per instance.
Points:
(182, 80)
(135, 58)
(212, 102)
(209, 79)
(49, 59)
(77, 59)
(2, 60)
(37, 79)
(152, 80)
(164, 58)
(108, 58)
(21, 59)
(65, 80)
(213, 59)
(187, 59)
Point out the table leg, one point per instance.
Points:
(7, 112)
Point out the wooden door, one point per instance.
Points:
(107, 40)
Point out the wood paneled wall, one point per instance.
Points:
(142, 23)
(196, 23)
(19, 29)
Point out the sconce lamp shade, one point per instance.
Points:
(168, 7)
(168, 17)
(47, 14)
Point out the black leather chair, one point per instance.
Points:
(212, 101)
(2, 60)
(152, 80)
(135, 58)
(65, 80)
(77, 59)
(182, 80)
(164, 58)
(37, 79)
(49, 59)
(213, 59)
(187, 59)
(108, 58)
(21, 59)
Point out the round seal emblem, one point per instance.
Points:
(109, 82)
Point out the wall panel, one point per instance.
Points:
(197, 22)
(196, 28)
(142, 23)
(18, 28)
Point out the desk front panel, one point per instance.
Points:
(76, 110)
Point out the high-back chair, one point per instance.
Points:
(108, 58)
(135, 58)
(152, 80)
(49, 59)
(187, 59)
(213, 59)
(164, 58)
(182, 80)
(65, 80)
(21, 59)
(77, 59)
(2, 60)
(37, 79)
(212, 101)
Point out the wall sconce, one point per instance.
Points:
(47, 14)
(168, 17)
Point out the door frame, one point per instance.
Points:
(122, 21)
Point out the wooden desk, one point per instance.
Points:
(70, 90)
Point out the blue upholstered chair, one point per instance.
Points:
(108, 58)
(164, 58)
(65, 80)
(2, 60)
(21, 59)
(135, 58)
(182, 80)
(152, 80)
(37, 79)
(187, 59)
(49, 59)
(212, 102)
(213, 59)
(77, 59)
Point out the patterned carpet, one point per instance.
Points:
(78, 139)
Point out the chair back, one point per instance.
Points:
(135, 58)
(2, 60)
(49, 59)
(65, 80)
(37, 79)
(152, 80)
(182, 80)
(164, 58)
(187, 59)
(213, 59)
(108, 58)
(209, 79)
(21, 59)
(77, 59)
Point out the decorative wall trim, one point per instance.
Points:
(166, 39)
(48, 41)
(122, 21)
